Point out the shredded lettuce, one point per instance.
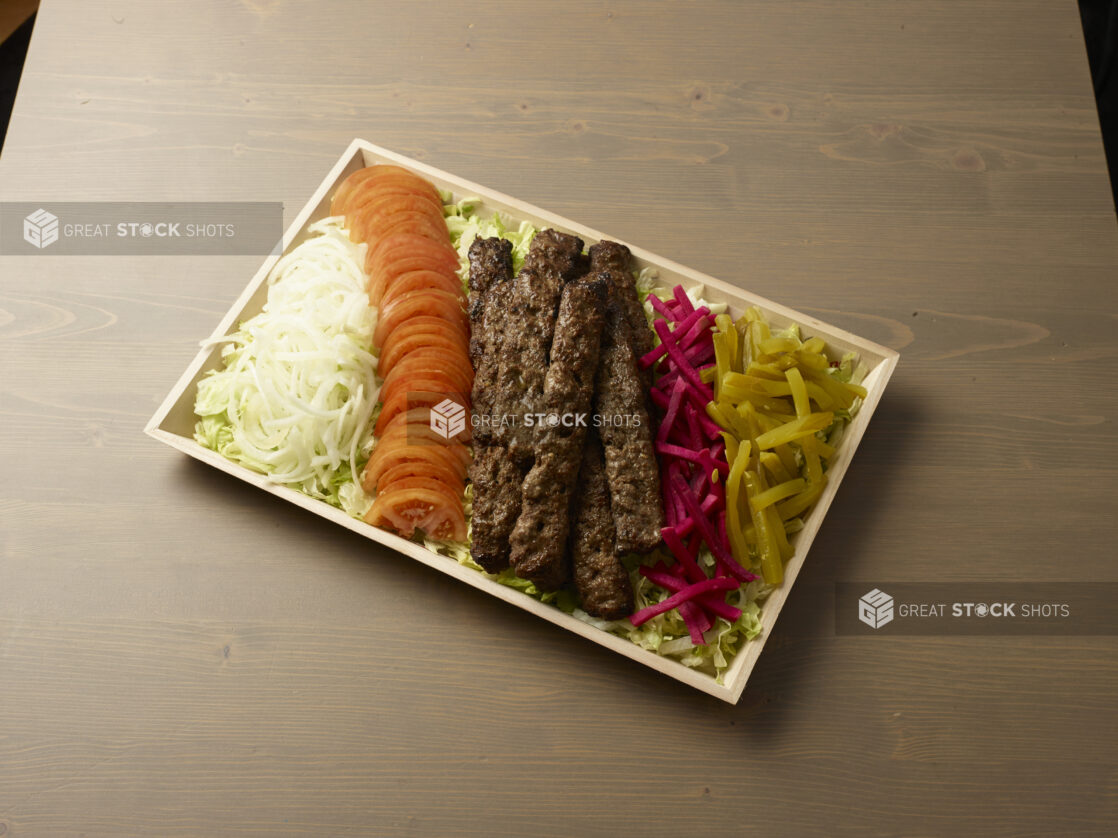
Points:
(465, 225)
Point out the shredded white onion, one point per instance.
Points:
(298, 386)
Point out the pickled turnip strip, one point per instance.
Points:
(689, 593)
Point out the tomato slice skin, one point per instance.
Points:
(342, 195)
(382, 277)
(414, 416)
(380, 179)
(420, 377)
(396, 186)
(456, 453)
(385, 457)
(431, 363)
(426, 469)
(422, 329)
(413, 223)
(388, 181)
(405, 394)
(392, 199)
(374, 216)
(448, 360)
(400, 244)
(395, 350)
(414, 508)
(425, 394)
(417, 280)
(427, 301)
(420, 374)
(427, 325)
(419, 418)
(429, 483)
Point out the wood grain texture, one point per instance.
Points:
(181, 655)
(13, 13)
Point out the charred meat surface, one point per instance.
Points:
(553, 260)
(490, 289)
(496, 505)
(618, 261)
(495, 477)
(626, 433)
(601, 579)
(490, 266)
(539, 539)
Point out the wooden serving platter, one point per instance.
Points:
(173, 423)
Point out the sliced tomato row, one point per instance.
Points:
(401, 252)
(423, 337)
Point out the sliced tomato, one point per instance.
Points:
(382, 279)
(426, 302)
(426, 378)
(385, 457)
(364, 228)
(427, 324)
(422, 281)
(452, 496)
(447, 369)
(395, 349)
(386, 202)
(402, 222)
(423, 469)
(400, 245)
(414, 280)
(406, 392)
(421, 416)
(383, 174)
(388, 180)
(421, 393)
(431, 363)
(390, 200)
(415, 433)
(409, 337)
(384, 207)
(415, 508)
(341, 196)
(371, 195)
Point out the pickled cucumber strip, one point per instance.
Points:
(772, 567)
(739, 546)
(788, 458)
(797, 428)
(778, 493)
(775, 467)
(815, 445)
(798, 390)
(799, 503)
(774, 346)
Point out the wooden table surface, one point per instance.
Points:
(181, 654)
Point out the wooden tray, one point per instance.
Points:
(173, 423)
